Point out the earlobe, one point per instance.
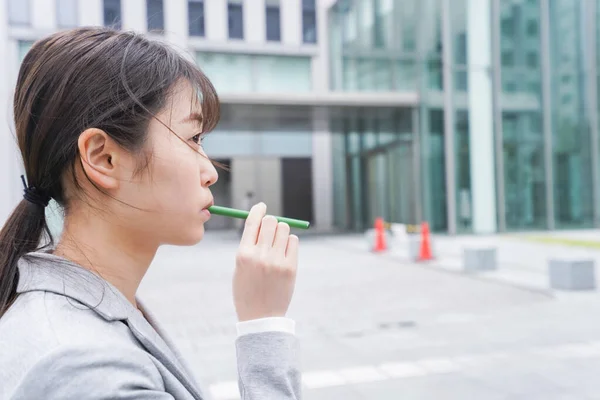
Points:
(99, 159)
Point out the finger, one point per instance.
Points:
(252, 225)
(292, 248)
(281, 238)
(267, 232)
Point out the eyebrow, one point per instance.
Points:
(195, 118)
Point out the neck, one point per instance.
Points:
(102, 246)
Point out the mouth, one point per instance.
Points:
(210, 204)
(205, 209)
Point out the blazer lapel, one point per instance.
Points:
(151, 319)
(68, 279)
(158, 347)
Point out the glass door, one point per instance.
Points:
(390, 184)
(378, 195)
(401, 184)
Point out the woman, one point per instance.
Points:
(110, 126)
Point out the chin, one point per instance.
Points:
(184, 234)
(189, 238)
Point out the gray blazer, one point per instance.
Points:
(72, 335)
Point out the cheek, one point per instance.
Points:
(177, 183)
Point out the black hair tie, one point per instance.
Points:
(33, 195)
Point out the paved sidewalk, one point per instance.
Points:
(373, 326)
(521, 262)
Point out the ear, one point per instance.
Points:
(100, 158)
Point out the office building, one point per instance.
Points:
(498, 126)
(265, 58)
(477, 116)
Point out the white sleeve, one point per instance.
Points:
(272, 324)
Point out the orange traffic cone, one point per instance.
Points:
(380, 244)
(425, 253)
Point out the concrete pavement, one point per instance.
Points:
(377, 327)
(521, 262)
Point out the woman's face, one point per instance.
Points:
(174, 190)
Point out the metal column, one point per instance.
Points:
(497, 113)
(547, 110)
(416, 158)
(449, 159)
(423, 117)
(591, 74)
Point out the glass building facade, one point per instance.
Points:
(502, 134)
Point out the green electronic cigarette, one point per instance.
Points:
(242, 214)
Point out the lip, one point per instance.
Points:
(205, 209)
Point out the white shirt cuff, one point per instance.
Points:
(272, 324)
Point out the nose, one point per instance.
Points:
(209, 174)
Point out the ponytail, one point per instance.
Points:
(20, 235)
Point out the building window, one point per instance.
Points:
(508, 59)
(566, 99)
(196, 17)
(235, 12)
(273, 21)
(510, 87)
(507, 27)
(243, 73)
(533, 87)
(18, 12)
(156, 15)
(24, 47)
(66, 13)
(309, 21)
(532, 59)
(532, 28)
(112, 13)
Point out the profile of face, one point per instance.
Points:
(164, 202)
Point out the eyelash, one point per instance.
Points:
(198, 138)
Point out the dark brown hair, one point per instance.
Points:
(79, 79)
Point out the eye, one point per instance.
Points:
(198, 138)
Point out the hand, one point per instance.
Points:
(265, 270)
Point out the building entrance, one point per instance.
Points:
(390, 188)
(381, 167)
